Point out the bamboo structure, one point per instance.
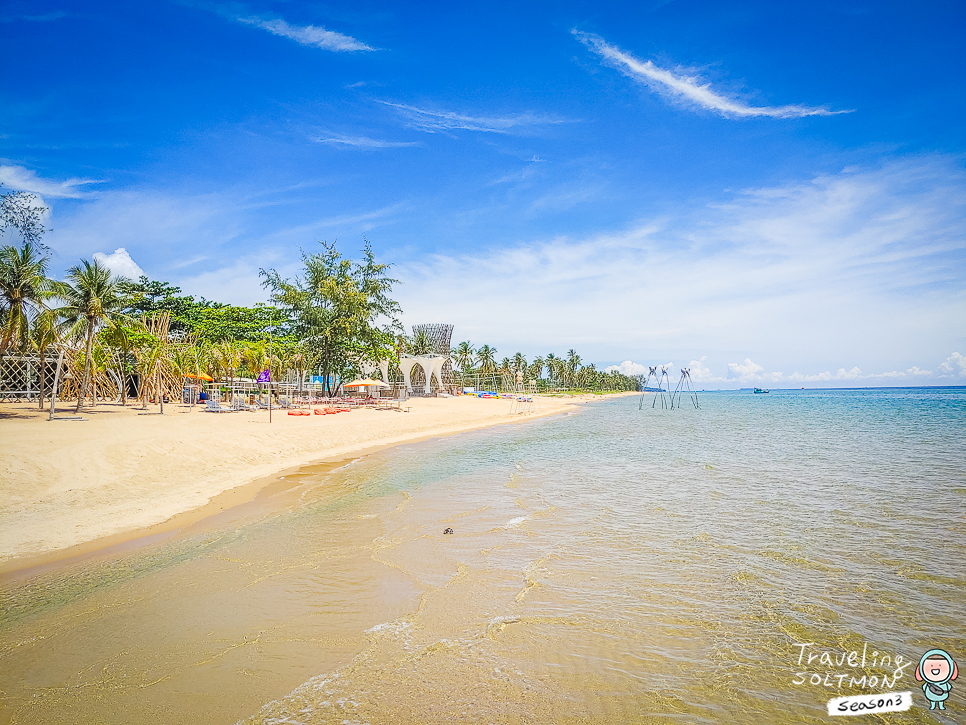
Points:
(440, 337)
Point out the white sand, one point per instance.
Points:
(65, 483)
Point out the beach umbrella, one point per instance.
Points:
(375, 383)
(357, 383)
(201, 376)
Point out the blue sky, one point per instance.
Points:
(771, 193)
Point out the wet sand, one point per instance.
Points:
(72, 486)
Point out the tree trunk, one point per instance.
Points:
(43, 370)
(120, 369)
(82, 391)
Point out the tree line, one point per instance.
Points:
(567, 372)
(336, 315)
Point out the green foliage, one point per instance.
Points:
(24, 291)
(339, 309)
(91, 295)
(202, 319)
(562, 373)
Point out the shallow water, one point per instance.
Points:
(612, 565)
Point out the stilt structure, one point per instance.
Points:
(645, 379)
(662, 391)
(663, 383)
(522, 398)
(684, 382)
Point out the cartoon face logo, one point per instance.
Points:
(936, 671)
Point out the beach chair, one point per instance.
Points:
(213, 406)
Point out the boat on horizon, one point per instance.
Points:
(761, 390)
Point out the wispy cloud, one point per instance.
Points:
(688, 88)
(308, 35)
(864, 267)
(434, 121)
(361, 141)
(20, 178)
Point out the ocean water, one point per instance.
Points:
(609, 565)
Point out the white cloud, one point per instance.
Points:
(362, 141)
(628, 368)
(701, 373)
(119, 262)
(309, 35)
(23, 179)
(433, 121)
(864, 266)
(211, 245)
(955, 364)
(688, 87)
(852, 271)
(751, 372)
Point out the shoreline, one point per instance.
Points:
(136, 480)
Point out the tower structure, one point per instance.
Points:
(440, 336)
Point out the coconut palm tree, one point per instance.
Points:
(91, 295)
(254, 357)
(551, 362)
(42, 336)
(486, 356)
(25, 289)
(228, 358)
(535, 371)
(573, 362)
(463, 355)
(519, 363)
(420, 344)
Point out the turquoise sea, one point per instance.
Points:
(609, 565)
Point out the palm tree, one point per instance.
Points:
(43, 335)
(551, 362)
(228, 358)
(420, 344)
(92, 295)
(573, 362)
(25, 289)
(519, 363)
(463, 355)
(535, 371)
(255, 357)
(486, 356)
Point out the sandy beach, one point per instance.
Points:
(69, 486)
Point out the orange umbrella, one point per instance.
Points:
(201, 376)
(376, 383)
(357, 383)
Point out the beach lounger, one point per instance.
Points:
(213, 406)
